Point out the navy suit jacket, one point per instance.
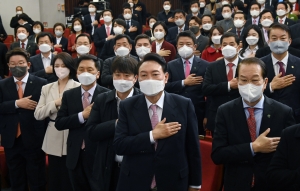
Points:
(136, 24)
(63, 42)
(99, 38)
(32, 130)
(234, 31)
(176, 162)
(289, 95)
(173, 32)
(37, 68)
(3, 33)
(88, 23)
(288, 22)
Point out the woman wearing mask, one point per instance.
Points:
(60, 41)
(77, 28)
(251, 42)
(290, 13)
(49, 103)
(150, 22)
(37, 28)
(160, 46)
(213, 51)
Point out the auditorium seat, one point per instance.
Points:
(49, 30)
(3, 169)
(7, 45)
(9, 39)
(212, 174)
(67, 33)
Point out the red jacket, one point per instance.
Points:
(167, 46)
(210, 54)
(71, 42)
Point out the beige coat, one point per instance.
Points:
(55, 142)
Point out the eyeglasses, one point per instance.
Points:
(17, 64)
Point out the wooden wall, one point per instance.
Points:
(153, 6)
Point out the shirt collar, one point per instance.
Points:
(259, 105)
(198, 36)
(181, 27)
(235, 62)
(255, 49)
(190, 60)
(58, 37)
(284, 60)
(108, 25)
(159, 103)
(50, 56)
(24, 80)
(129, 95)
(159, 44)
(26, 42)
(91, 91)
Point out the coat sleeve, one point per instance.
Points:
(106, 78)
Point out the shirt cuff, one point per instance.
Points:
(271, 88)
(80, 117)
(229, 86)
(198, 187)
(16, 106)
(151, 138)
(253, 154)
(182, 83)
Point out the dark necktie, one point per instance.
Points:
(127, 24)
(23, 45)
(238, 33)
(281, 68)
(230, 72)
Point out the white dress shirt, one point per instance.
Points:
(158, 46)
(46, 60)
(93, 19)
(91, 91)
(24, 80)
(235, 63)
(181, 28)
(58, 40)
(283, 19)
(248, 51)
(277, 67)
(25, 44)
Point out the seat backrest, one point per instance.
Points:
(9, 39)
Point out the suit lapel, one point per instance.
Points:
(195, 66)
(179, 66)
(29, 86)
(141, 114)
(54, 92)
(291, 67)
(267, 114)
(96, 93)
(222, 70)
(270, 68)
(12, 88)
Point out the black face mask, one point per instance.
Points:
(194, 29)
(18, 71)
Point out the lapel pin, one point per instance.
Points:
(195, 68)
(269, 116)
(31, 82)
(292, 66)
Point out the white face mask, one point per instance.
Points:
(152, 87)
(292, 1)
(151, 25)
(36, 31)
(123, 85)
(159, 35)
(226, 15)
(92, 10)
(194, 9)
(142, 51)
(250, 92)
(266, 22)
(19, 12)
(86, 78)
(127, 16)
(118, 30)
(107, 19)
(62, 73)
(22, 36)
(77, 28)
(81, 50)
(238, 23)
(167, 7)
(252, 40)
(216, 39)
(44, 48)
(179, 22)
(122, 51)
(254, 13)
(261, 1)
(202, 5)
(58, 33)
(225, 2)
(280, 12)
(229, 52)
(207, 26)
(131, 4)
(185, 51)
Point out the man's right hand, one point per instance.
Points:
(193, 80)
(164, 52)
(26, 103)
(264, 144)
(163, 130)
(233, 83)
(110, 37)
(279, 82)
(171, 20)
(49, 70)
(87, 111)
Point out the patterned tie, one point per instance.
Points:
(107, 30)
(127, 24)
(180, 30)
(281, 68)
(238, 33)
(23, 45)
(20, 94)
(281, 21)
(254, 21)
(266, 35)
(230, 72)
(85, 103)
(252, 129)
(154, 122)
(187, 68)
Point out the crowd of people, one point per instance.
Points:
(118, 107)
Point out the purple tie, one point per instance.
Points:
(154, 122)
(281, 68)
(85, 103)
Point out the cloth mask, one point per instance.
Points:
(250, 92)
(86, 78)
(123, 85)
(62, 73)
(152, 87)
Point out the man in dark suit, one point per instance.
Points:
(59, 41)
(166, 15)
(281, 11)
(283, 171)
(21, 134)
(220, 82)
(227, 23)
(103, 118)
(136, 15)
(179, 19)
(122, 47)
(283, 73)
(91, 20)
(186, 75)
(133, 28)
(3, 63)
(197, 10)
(24, 21)
(266, 6)
(265, 51)
(41, 64)
(239, 20)
(73, 114)
(105, 32)
(22, 34)
(157, 135)
(140, 7)
(201, 41)
(254, 14)
(14, 22)
(248, 130)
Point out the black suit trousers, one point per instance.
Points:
(26, 166)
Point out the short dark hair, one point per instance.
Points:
(120, 36)
(38, 23)
(167, 0)
(22, 26)
(178, 11)
(154, 57)
(88, 57)
(240, 13)
(225, 6)
(264, 12)
(163, 24)
(260, 42)
(279, 26)
(253, 60)
(92, 3)
(119, 22)
(151, 17)
(219, 28)
(58, 24)
(107, 10)
(83, 35)
(197, 20)
(283, 3)
(239, 4)
(188, 34)
(207, 15)
(255, 3)
(193, 2)
(124, 64)
(81, 23)
(68, 62)
(43, 34)
(24, 17)
(126, 5)
(230, 34)
(140, 36)
(17, 51)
